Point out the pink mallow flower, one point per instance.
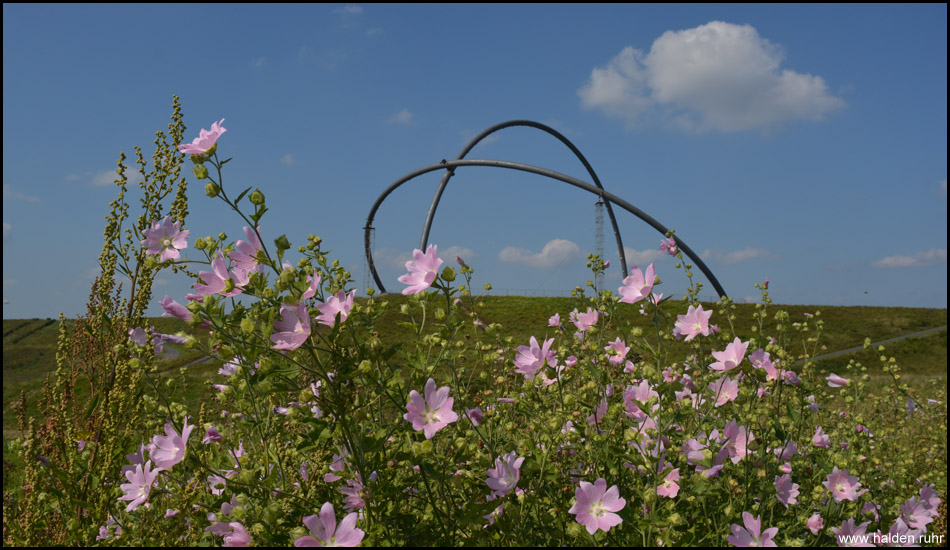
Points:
(725, 390)
(293, 329)
(432, 413)
(669, 246)
(505, 475)
(693, 323)
(422, 270)
(843, 486)
(815, 523)
(731, 357)
(139, 485)
(530, 360)
(637, 286)
(785, 491)
(821, 439)
(835, 381)
(584, 321)
(620, 350)
(165, 239)
(205, 140)
(669, 488)
(752, 534)
(169, 449)
(596, 505)
(327, 533)
(174, 309)
(341, 303)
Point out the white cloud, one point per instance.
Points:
(391, 257)
(642, 258)
(101, 179)
(402, 117)
(374, 31)
(720, 256)
(349, 9)
(9, 193)
(553, 254)
(287, 159)
(924, 258)
(718, 76)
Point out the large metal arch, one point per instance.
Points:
(430, 216)
(606, 196)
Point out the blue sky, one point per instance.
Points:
(806, 144)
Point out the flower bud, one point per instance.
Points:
(257, 197)
(247, 325)
(448, 274)
(212, 189)
(200, 171)
(282, 243)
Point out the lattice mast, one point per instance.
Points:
(599, 240)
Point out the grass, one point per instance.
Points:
(29, 345)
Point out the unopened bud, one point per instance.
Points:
(201, 172)
(212, 189)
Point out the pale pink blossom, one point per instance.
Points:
(752, 534)
(669, 488)
(205, 140)
(139, 485)
(505, 475)
(165, 239)
(731, 357)
(326, 532)
(835, 381)
(637, 286)
(596, 506)
(174, 309)
(293, 328)
(619, 349)
(843, 486)
(584, 321)
(725, 390)
(669, 246)
(815, 523)
(555, 320)
(423, 270)
(218, 280)
(432, 413)
(530, 360)
(169, 449)
(340, 303)
(785, 491)
(695, 322)
(821, 439)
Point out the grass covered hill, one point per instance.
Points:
(29, 345)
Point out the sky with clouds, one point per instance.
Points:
(806, 144)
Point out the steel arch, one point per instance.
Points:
(596, 189)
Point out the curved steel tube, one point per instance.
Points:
(609, 197)
(430, 216)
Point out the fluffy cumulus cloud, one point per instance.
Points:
(10, 193)
(724, 257)
(402, 117)
(718, 76)
(924, 258)
(553, 254)
(643, 258)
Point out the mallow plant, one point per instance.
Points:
(317, 430)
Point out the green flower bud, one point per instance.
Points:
(247, 325)
(448, 274)
(257, 197)
(282, 243)
(212, 189)
(200, 171)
